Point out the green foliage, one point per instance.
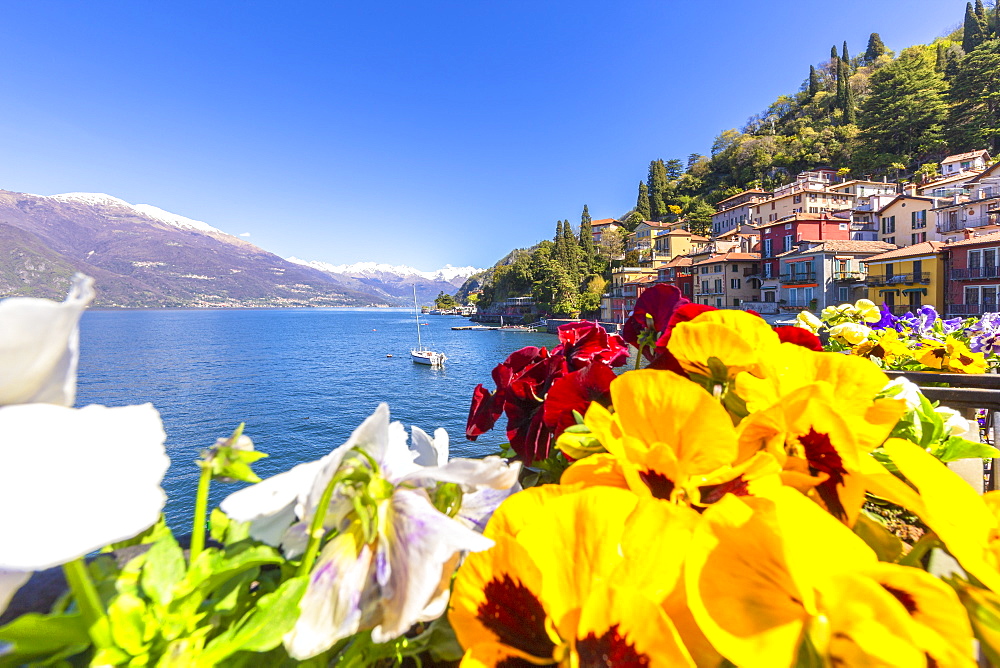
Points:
(642, 202)
(902, 119)
(974, 118)
(813, 81)
(587, 253)
(445, 301)
(657, 184)
(974, 30)
(875, 48)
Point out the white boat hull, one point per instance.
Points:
(428, 357)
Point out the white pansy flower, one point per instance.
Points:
(39, 346)
(807, 320)
(399, 575)
(850, 332)
(954, 423)
(868, 310)
(82, 478)
(903, 388)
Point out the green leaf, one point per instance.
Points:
(886, 545)
(956, 448)
(127, 615)
(263, 627)
(33, 636)
(150, 535)
(163, 569)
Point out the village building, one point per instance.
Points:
(781, 236)
(674, 243)
(727, 279)
(809, 193)
(623, 291)
(965, 162)
(736, 213)
(598, 228)
(903, 219)
(907, 278)
(973, 273)
(678, 273)
(976, 204)
(817, 274)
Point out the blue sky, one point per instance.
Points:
(419, 133)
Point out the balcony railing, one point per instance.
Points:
(801, 277)
(797, 304)
(972, 273)
(749, 271)
(848, 275)
(972, 309)
(922, 277)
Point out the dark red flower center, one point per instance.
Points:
(713, 493)
(610, 649)
(660, 485)
(903, 597)
(823, 457)
(516, 616)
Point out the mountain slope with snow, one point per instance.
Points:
(395, 281)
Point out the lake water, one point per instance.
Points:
(301, 379)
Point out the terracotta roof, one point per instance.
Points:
(992, 237)
(604, 221)
(962, 176)
(932, 200)
(680, 261)
(924, 248)
(842, 246)
(963, 156)
(802, 216)
(966, 204)
(729, 256)
(745, 192)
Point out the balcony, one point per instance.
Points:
(750, 271)
(972, 309)
(848, 276)
(973, 273)
(920, 277)
(802, 277)
(797, 304)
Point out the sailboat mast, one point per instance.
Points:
(416, 314)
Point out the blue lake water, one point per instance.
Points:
(301, 379)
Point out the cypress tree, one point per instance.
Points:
(981, 15)
(813, 81)
(587, 251)
(846, 58)
(642, 203)
(972, 33)
(833, 54)
(572, 253)
(974, 118)
(657, 190)
(558, 244)
(841, 69)
(875, 48)
(941, 62)
(850, 111)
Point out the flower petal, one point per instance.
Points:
(85, 478)
(270, 504)
(39, 346)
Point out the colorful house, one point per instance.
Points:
(817, 274)
(726, 280)
(782, 235)
(974, 273)
(678, 272)
(907, 278)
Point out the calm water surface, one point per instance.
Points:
(301, 379)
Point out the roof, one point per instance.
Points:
(641, 280)
(932, 200)
(812, 217)
(841, 246)
(752, 191)
(604, 221)
(968, 203)
(963, 156)
(730, 256)
(937, 183)
(992, 237)
(925, 248)
(696, 237)
(680, 261)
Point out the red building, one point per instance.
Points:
(678, 273)
(973, 267)
(780, 236)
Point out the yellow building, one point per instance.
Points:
(907, 278)
(674, 243)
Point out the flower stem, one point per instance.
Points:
(89, 602)
(920, 549)
(200, 511)
(316, 530)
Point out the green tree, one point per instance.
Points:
(834, 56)
(902, 118)
(444, 301)
(642, 203)
(875, 48)
(973, 31)
(657, 183)
(940, 62)
(674, 169)
(571, 253)
(984, 20)
(813, 81)
(587, 252)
(996, 19)
(846, 58)
(850, 107)
(974, 118)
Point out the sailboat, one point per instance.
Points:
(421, 355)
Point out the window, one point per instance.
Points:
(844, 226)
(814, 209)
(687, 289)
(975, 259)
(918, 269)
(797, 199)
(718, 302)
(918, 219)
(767, 270)
(787, 245)
(889, 240)
(736, 301)
(918, 238)
(843, 294)
(734, 283)
(788, 226)
(888, 224)
(769, 296)
(704, 270)
(767, 248)
(736, 268)
(718, 285)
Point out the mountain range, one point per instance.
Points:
(141, 255)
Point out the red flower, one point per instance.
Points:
(659, 302)
(574, 392)
(486, 409)
(799, 336)
(582, 343)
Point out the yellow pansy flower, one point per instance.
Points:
(546, 595)
(735, 338)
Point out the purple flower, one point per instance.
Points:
(888, 321)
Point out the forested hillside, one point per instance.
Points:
(873, 114)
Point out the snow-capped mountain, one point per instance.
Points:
(395, 281)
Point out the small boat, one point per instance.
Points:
(421, 355)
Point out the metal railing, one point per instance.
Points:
(848, 275)
(972, 309)
(970, 273)
(801, 277)
(923, 277)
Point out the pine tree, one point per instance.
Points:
(875, 48)
(996, 19)
(657, 189)
(974, 118)
(674, 169)
(587, 251)
(642, 203)
(902, 118)
(972, 34)
(941, 62)
(813, 81)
